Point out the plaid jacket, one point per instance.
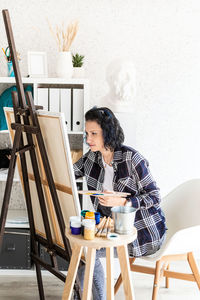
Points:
(132, 175)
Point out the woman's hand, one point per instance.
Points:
(112, 200)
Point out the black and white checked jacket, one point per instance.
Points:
(132, 175)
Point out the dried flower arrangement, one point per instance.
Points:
(64, 36)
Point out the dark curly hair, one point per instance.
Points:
(112, 132)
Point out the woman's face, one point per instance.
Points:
(94, 136)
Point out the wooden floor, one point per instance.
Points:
(24, 287)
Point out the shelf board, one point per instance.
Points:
(74, 132)
(4, 131)
(48, 80)
(4, 175)
(17, 219)
(79, 180)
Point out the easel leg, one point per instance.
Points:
(39, 281)
(36, 250)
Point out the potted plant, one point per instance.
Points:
(77, 61)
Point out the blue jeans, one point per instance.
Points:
(99, 284)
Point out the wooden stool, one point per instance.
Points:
(78, 243)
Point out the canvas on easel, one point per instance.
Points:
(55, 137)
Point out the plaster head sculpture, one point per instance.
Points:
(121, 77)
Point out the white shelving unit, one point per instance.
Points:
(57, 83)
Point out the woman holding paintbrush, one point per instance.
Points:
(111, 166)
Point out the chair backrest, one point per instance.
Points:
(182, 206)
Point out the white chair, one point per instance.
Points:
(182, 211)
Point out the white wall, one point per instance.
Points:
(162, 37)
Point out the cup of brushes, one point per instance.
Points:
(7, 56)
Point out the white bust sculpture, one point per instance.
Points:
(121, 77)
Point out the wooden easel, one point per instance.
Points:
(26, 121)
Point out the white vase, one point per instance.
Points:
(64, 67)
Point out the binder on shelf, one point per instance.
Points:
(42, 94)
(65, 106)
(54, 100)
(78, 111)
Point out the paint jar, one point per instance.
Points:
(74, 219)
(97, 217)
(75, 227)
(83, 212)
(82, 225)
(89, 229)
(90, 215)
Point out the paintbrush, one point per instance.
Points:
(109, 225)
(101, 227)
(4, 54)
(100, 224)
(105, 228)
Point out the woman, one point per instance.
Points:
(111, 166)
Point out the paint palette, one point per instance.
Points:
(100, 193)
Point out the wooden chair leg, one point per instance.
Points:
(131, 260)
(118, 283)
(167, 279)
(194, 268)
(156, 280)
(119, 279)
